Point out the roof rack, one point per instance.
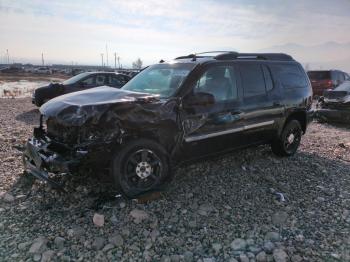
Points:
(202, 55)
(234, 55)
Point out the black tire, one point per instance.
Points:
(140, 166)
(287, 144)
(38, 102)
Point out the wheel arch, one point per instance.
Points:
(300, 116)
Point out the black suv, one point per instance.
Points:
(78, 83)
(170, 113)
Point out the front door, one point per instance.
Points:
(213, 128)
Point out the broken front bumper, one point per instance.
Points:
(40, 160)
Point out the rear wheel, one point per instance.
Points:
(140, 166)
(287, 144)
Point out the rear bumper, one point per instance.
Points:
(333, 115)
(40, 161)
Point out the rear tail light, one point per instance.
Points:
(330, 83)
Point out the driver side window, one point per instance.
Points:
(220, 81)
(88, 82)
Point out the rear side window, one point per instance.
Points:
(290, 76)
(252, 79)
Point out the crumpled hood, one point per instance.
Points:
(74, 109)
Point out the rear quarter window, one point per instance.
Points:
(290, 76)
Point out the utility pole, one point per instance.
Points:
(115, 60)
(8, 56)
(42, 59)
(106, 54)
(118, 62)
(102, 59)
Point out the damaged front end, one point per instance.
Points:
(64, 150)
(84, 129)
(334, 106)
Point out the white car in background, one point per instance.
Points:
(43, 70)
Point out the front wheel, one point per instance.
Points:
(140, 166)
(287, 144)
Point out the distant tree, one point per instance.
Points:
(137, 64)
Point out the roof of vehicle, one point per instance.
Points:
(101, 72)
(231, 55)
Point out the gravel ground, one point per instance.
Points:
(226, 209)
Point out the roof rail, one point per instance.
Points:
(266, 56)
(202, 54)
(231, 55)
(186, 56)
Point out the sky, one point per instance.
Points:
(79, 31)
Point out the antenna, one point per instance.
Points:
(102, 59)
(42, 59)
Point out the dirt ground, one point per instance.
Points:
(32, 77)
(226, 209)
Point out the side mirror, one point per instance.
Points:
(200, 99)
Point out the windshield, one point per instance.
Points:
(75, 79)
(160, 79)
(344, 87)
(319, 75)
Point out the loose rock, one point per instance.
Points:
(98, 243)
(138, 215)
(47, 256)
(279, 255)
(38, 246)
(238, 244)
(261, 257)
(99, 220)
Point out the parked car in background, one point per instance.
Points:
(334, 105)
(11, 70)
(42, 70)
(170, 113)
(322, 80)
(79, 82)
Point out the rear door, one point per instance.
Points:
(262, 107)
